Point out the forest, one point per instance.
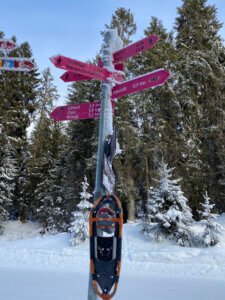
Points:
(179, 125)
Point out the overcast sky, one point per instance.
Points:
(72, 27)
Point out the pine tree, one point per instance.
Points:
(52, 194)
(213, 230)
(47, 141)
(200, 92)
(123, 21)
(80, 224)
(8, 172)
(18, 91)
(168, 208)
(156, 110)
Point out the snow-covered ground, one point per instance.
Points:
(47, 267)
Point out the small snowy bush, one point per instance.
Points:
(169, 210)
(213, 231)
(79, 228)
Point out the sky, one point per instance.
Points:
(72, 27)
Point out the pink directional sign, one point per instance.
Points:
(70, 76)
(78, 111)
(80, 68)
(135, 48)
(140, 83)
(7, 45)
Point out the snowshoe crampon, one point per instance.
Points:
(106, 221)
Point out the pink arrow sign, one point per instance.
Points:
(135, 48)
(78, 111)
(7, 45)
(150, 80)
(16, 64)
(70, 77)
(80, 68)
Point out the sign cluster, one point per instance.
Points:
(77, 70)
(13, 63)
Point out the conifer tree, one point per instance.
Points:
(8, 172)
(123, 21)
(200, 92)
(156, 110)
(18, 103)
(52, 194)
(79, 228)
(168, 208)
(47, 140)
(213, 231)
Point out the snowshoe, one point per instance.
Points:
(106, 220)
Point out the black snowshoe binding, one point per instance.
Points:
(106, 220)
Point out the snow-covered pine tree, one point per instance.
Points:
(200, 92)
(8, 172)
(79, 226)
(18, 102)
(213, 230)
(168, 208)
(156, 110)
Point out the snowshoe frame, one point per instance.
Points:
(105, 273)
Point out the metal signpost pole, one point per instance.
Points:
(105, 98)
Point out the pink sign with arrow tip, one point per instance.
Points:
(71, 77)
(135, 48)
(78, 111)
(140, 83)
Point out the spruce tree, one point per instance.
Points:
(123, 21)
(18, 91)
(168, 208)
(200, 92)
(213, 231)
(79, 228)
(52, 194)
(8, 173)
(47, 140)
(156, 110)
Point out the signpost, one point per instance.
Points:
(135, 48)
(7, 45)
(78, 111)
(76, 71)
(140, 83)
(16, 64)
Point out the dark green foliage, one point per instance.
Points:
(18, 101)
(200, 91)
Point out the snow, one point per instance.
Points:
(46, 267)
